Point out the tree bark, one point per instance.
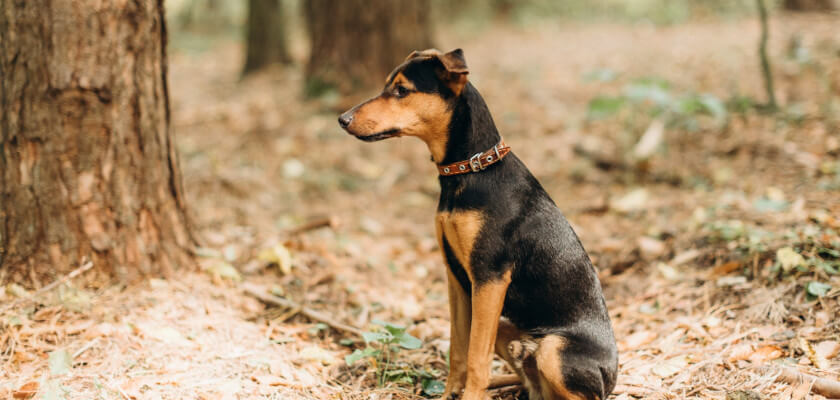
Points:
(265, 38)
(810, 5)
(88, 168)
(356, 43)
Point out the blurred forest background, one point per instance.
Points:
(182, 217)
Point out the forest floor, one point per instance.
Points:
(718, 245)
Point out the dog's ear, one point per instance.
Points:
(455, 74)
(454, 62)
(454, 71)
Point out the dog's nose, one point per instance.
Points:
(345, 119)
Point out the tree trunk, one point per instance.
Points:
(810, 5)
(87, 164)
(266, 41)
(356, 43)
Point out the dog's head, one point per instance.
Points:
(417, 100)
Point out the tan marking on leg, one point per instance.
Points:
(459, 335)
(487, 302)
(550, 365)
(461, 229)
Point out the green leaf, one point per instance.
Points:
(60, 362)
(409, 342)
(433, 387)
(825, 251)
(600, 75)
(313, 330)
(351, 358)
(764, 204)
(357, 355)
(376, 337)
(604, 106)
(653, 90)
(817, 289)
(714, 107)
(393, 329)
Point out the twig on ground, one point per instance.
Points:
(821, 386)
(85, 348)
(504, 380)
(76, 272)
(325, 222)
(260, 294)
(634, 391)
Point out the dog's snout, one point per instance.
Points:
(345, 119)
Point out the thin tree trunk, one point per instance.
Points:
(265, 41)
(810, 5)
(88, 168)
(766, 71)
(355, 43)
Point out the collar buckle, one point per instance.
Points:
(475, 163)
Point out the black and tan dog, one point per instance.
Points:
(520, 282)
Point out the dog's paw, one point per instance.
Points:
(450, 396)
(522, 349)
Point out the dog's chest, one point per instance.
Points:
(460, 230)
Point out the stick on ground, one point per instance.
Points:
(259, 293)
(825, 387)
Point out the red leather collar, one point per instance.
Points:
(476, 163)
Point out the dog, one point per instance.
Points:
(520, 282)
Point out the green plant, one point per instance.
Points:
(655, 98)
(380, 348)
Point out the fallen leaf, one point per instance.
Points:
(223, 269)
(650, 140)
(315, 353)
(668, 272)
(277, 254)
(26, 391)
(765, 353)
(740, 352)
(13, 289)
(827, 349)
(685, 257)
(789, 258)
(670, 366)
(60, 362)
(633, 201)
(637, 340)
(725, 269)
(650, 248)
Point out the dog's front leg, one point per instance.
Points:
(459, 333)
(488, 298)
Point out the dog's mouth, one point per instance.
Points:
(379, 136)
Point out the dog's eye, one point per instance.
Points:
(401, 91)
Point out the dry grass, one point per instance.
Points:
(257, 161)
